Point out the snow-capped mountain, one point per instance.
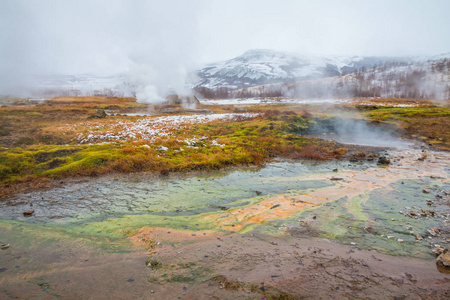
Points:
(257, 67)
(418, 78)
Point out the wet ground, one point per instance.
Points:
(291, 229)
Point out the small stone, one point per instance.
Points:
(426, 191)
(5, 246)
(390, 236)
(413, 214)
(275, 206)
(427, 211)
(259, 193)
(353, 243)
(444, 259)
(423, 157)
(368, 229)
(336, 178)
(382, 160)
(438, 250)
(400, 240)
(28, 213)
(434, 231)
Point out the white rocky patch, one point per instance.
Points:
(149, 128)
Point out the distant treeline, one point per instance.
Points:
(392, 80)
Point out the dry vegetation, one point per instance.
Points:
(42, 142)
(36, 144)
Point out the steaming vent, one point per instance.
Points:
(356, 132)
(187, 101)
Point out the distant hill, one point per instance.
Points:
(257, 67)
(270, 73)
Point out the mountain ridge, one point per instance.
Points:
(265, 66)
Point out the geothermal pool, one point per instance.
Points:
(110, 225)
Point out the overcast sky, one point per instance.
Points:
(110, 36)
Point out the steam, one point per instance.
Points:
(164, 48)
(357, 132)
(154, 78)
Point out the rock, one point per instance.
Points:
(336, 178)
(335, 170)
(413, 214)
(444, 259)
(368, 229)
(28, 213)
(100, 114)
(434, 231)
(438, 251)
(5, 246)
(423, 157)
(419, 237)
(426, 191)
(427, 211)
(400, 240)
(382, 160)
(275, 206)
(259, 193)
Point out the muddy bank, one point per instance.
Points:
(255, 265)
(234, 266)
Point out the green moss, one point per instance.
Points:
(245, 142)
(33, 113)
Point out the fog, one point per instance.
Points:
(157, 43)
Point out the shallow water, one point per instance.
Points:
(270, 199)
(174, 196)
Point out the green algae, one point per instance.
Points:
(374, 220)
(196, 203)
